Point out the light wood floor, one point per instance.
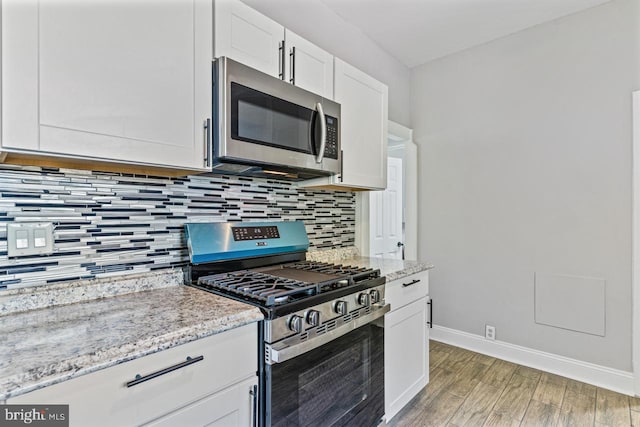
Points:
(471, 389)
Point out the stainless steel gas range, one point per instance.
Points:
(321, 359)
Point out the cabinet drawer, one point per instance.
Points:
(103, 398)
(406, 290)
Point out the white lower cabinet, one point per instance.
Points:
(233, 406)
(216, 389)
(406, 346)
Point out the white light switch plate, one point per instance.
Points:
(29, 238)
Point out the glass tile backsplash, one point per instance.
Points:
(110, 224)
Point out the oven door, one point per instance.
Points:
(340, 383)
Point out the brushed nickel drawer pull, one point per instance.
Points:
(140, 379)
(413, 282)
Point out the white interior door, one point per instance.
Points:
(385, 215)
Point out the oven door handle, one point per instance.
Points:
(280, 352)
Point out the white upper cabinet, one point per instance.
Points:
(126, 82)
(364, 127)
(247, 36)
(309, 67)
(363, 130)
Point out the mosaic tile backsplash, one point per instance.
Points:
(110, 224)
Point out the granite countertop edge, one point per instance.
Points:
(392, 269)
(101, 359)
(54, 334)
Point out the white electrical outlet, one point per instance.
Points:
(490, 332)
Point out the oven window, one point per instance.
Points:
(264, 119)
(340, 383)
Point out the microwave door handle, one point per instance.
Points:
(323, 133)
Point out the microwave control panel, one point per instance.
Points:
(331, 149)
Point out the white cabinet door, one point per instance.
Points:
(232, 407)
(308, 66)
(245, 35)
(364, 127)
(120, 81)
(406, 353)
(363, 131)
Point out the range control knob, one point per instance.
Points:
(313, 317)
(364, 299)
(375, 296)
(295, 323)
(341, 307)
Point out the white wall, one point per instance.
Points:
(525, 166)
(317, 23)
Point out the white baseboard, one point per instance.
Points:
(601, 376)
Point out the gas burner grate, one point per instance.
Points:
(354, 273)
(270, 290)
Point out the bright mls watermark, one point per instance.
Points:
(34, 415)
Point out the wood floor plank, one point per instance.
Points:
(441, 346)
(577, 410)
(462, 386)
(457, 359)
(468, 389)
(500, 420)
(550, 389)
(634, 403)
(436, 357)
(410, 411)
(581, 388)
(541, 414)
(439, 380)
(467, 377)
(483, 358)
(477, 406)
(612, 408)
(438, 411)
(525, 371)
(499, 374)
(516, 396)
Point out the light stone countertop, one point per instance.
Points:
(46, 346)
(59, 332)
(392, 269)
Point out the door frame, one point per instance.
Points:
(635, 250)
(403, 135)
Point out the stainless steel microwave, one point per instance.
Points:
(266, 127)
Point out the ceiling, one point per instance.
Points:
(418, 31)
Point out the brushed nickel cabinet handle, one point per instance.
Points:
(413, 282)
(140, 379)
